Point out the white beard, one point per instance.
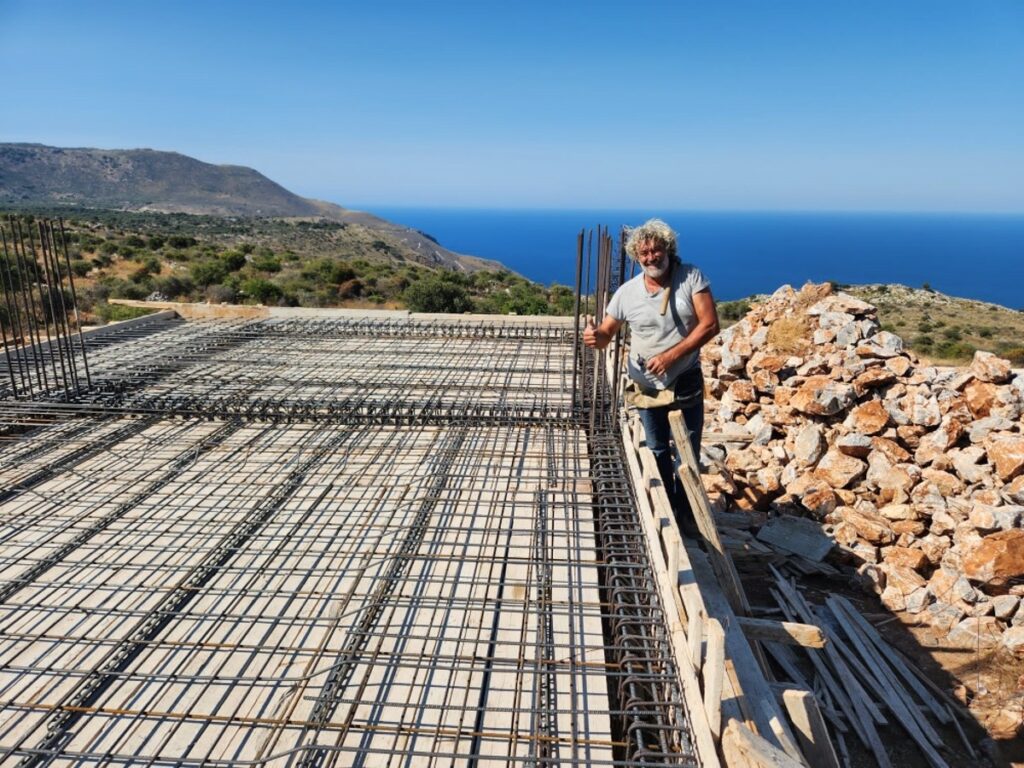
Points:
(654, 271)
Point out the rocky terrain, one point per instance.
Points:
(916, 472)
(38, 177)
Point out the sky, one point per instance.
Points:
(895, 105)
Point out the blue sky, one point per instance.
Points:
(747, 104)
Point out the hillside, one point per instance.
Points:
(941, 329)
(37, 177)
(287, 262)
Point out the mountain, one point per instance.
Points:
(34, 175)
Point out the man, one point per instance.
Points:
(671, 315)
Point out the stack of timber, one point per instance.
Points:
(864, 683)
(739, 718)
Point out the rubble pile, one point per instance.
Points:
(916, 472)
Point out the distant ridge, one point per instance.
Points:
(147, 180)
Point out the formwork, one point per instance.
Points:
(316, 539)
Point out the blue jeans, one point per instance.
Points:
(658, 434)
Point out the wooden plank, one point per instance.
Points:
(689, 475)
(714, 675)
(895, 697)
(797, 535)
(704, 740)
(811, 733)
(744, 747)
(749, 674)
(897, 663)
(788, 632)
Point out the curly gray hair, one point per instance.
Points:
(654, 230)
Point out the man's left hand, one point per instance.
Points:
(659, 364)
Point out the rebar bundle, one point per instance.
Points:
(329, 541)
(44, 351)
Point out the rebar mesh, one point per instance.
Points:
(345, 542)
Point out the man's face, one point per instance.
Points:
(653, 257)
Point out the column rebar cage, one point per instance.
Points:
(322, 541)
(44, 350)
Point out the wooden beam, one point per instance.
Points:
(811, 733)
(742, 746)
(689, 475)
(788, 632)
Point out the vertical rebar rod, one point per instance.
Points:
(74, 303)
(53, 338)
(65, 325)
(34, 343)
(57, 315)
(13, 318)
(577, 351)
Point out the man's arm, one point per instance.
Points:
(599, 337)
(705, 330)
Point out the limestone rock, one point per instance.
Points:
(980, 429)
(943, 615)
(1014, 490)
(918, 600)
(980, 632)
(1005, 606)
(906, 557)
(842, 302)
(854, 444)
(988, 518)
(869, 418)
(998, 558)
(839, 470)
(900, 582)
(936, 443)
(965, 462)
(892, 450)
(873, 378)
(1013, 641)
(987, 367)
(821, 396)
(898, 512)
(980, 396)
(809, 446)
(947, 483)
(870, 526)
(1007, 456)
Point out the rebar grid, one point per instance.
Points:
(298, 582)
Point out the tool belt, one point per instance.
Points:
(685, 391)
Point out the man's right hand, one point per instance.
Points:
(590, 333)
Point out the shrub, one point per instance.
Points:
(233, 260)
(924, 326)
(924, 342)
(80, 267)
(264, 291)
(220, 294)
(156, 242)
(208, 272)
(181, 241)
(112, 313)
(985, 332)
(135, 241)
(1015, 355)
(266, 263)
(437, 294)
(957, 350)
(952, 333)
(733, 310)
(173, 286)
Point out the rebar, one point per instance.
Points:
(324, 542)
(37, 322)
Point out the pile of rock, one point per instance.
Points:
(916, 472)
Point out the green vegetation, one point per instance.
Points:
(944, 329)
(179, 257)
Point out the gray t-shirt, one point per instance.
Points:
(652, 332)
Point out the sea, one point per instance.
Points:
(977, 256)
